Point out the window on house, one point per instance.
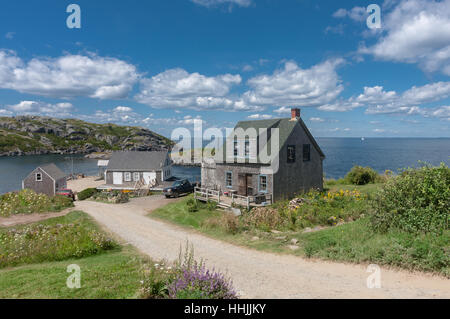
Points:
(291, 154)
(306, 152)
(127, 177)
(236, 148)
(247, 147)
(136, 176)
(229, 179)
(263, 183)
(38, 177)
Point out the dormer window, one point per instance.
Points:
(38, 177)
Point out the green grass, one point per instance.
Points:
(42, 273)
(112, 275)
(71, 236)
(177, 213)
(356, 242)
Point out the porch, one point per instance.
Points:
(228, 199)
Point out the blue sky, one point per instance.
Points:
(165, 64)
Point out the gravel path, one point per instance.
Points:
(258, 274)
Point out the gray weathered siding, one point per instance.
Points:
(294, 178)
(217, 179)
(46, 186)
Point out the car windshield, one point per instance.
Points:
(177, 183)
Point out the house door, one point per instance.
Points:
(149, 177)
(245, 185)
(117, 178)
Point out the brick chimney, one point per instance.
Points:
(295, 114)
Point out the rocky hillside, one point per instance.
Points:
(34, 135)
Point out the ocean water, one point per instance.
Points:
(381, 153)
(341, 155)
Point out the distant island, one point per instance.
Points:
(37, 135)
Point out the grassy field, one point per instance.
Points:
(350, 242)
(113, 275)
(28, 202)
(37, 268)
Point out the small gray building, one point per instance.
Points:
(46, 179)
(299, 157)
(126, 169)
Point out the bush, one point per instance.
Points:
(29, 202)
(194, 281)
(187, 279)
(192, 205)
(418, 200)
(43, 243)
(359, 175)
(87, 193)
(122, 198)
(211, 205)
(264, 218)
(230, 222)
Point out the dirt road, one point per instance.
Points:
(258, 274)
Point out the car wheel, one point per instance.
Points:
(167, 196)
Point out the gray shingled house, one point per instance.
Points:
(46, 179)
(125, 169)
(299, 156)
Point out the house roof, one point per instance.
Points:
(285, 126)
(53, 171)
(137, 161)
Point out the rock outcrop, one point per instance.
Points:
(36, 135)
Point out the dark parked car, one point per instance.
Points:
(179, 188)
(66, 192)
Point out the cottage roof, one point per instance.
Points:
(137, 161)
(53, 171)
(285, 126)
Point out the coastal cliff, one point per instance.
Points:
(36, 135)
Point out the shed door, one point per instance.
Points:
(148, 177)
(117, 178)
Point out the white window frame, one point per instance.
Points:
(127, 176)
(38, 179)
(136, 179)
(263, 189)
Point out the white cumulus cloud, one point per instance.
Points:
(295, 86)
(416, 31)
(67, 76)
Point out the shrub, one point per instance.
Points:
(29, 202)
(87, 193)
(230, 222)
(194, 281)
(122, 198)
(359, 175)
(211, 205)
(192, 205)
(264, 218)
(418, 200)
(43, 243)
(155, 280)
(187, 279)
